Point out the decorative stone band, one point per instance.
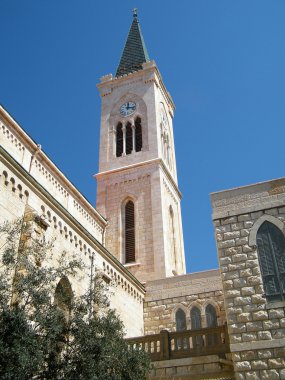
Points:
(258, 345)
(248, 198)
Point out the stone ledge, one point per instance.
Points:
(257, 345)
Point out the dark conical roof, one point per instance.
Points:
(134, 53)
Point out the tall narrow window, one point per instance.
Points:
(195, 318)
(130, 241)
(172, 238)
(271, 249)
(63, 297)
(129, 139)
(119, 140)
(180, 319)
(196, 324)
(138, 134)
(211, 318)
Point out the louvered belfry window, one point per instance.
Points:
(119, 140)
(130, 241)
(129, 139)
(138, 134)
(271, 250)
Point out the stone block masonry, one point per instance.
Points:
(256, 326)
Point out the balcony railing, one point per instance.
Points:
(175, 345)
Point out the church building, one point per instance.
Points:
(225, 323)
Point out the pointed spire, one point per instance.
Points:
(134, 53)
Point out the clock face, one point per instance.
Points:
(127, 108)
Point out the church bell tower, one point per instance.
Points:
(137, 190)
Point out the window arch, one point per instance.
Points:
(195, 316)
(129, 138)
(63, 297)
(130, 240)
(172, 236)
(180, 319)
(271, 251)
(138, 134)
(211, 319)
(211, 316)
(196, 324)
(119, 140)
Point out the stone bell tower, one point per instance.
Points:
(137, 182)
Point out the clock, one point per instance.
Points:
(127, 108)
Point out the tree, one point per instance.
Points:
(46, 332)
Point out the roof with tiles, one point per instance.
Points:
(135, 52)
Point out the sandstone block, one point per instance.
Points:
(242, 300)
(260, 315)
(248, 291)
(239, 257)
(276, 313)
(259, 364)
(246, 248)
(243, 366)
(264, 335)
(252, 263)
(244, 232)
(271, 374)
(225, 260)
(244, 317)
(230, 220)
(264, 354)
(231, 235)
(271, 324)
(237, 226)
(248, 337)
(244, 217)
(237, 328)
(241, 241)
(228, 284)
(248, 355)
(258, 299)
(226, 244)
(276, 363)
(233, 251)
(232, 293)
(252, 376)
(254, 280)
(254, 326)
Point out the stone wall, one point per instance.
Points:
(21, 193)
(164, 297)
(256, 326)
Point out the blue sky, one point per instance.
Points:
(222, 61)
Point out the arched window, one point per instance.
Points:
(138, 134)
(172, 237)
(196, 324)
(211, 316)
(195, 318)
(271, 249)
(129, 139)
(180, 318)
(63, 297)
(119, 140)
(130, 240)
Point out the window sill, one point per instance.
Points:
(131, 265)
(275, 305)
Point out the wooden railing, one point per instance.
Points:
(175, 345)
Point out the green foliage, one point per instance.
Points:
(46, 332)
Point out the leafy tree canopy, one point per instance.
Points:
(46, 332)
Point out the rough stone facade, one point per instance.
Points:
(256, 326)
(72, 222)
(164, 297)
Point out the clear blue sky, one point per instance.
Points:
(222, 61)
